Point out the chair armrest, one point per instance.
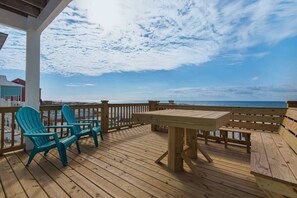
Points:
(62, 127)
(40, 134)
(44, 135)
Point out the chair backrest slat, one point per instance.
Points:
(30, 123)
(288, 128)
(69, 116)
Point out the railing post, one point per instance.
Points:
(291, 104)
(104, 116)
(153, 107)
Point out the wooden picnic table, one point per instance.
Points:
(178, 122)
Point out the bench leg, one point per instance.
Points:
(206, 134)
(248, 142)
(225, 137)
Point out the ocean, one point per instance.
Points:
(273, 104)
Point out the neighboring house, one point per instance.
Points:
(23, 83)
(10, 90)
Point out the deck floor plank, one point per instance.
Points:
(11, 185)
(168, 190)
(29, 184)
(232, 180)
(123, 166)
(48, 184)
(243, 184)
(112, 178)
(142, 170)
(244, 173)
(121, 173)
(212, 167)
(70, 187)
(2, 194)
(81, 179)
(157, 149)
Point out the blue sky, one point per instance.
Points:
(181, 50)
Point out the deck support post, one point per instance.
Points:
(32, 96)
(291, 104)
(104, 116)
(153, 107)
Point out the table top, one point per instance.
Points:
(194, 119)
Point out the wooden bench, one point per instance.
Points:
(274, 159)
(245, 132)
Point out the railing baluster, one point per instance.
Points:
(48, 119)
(2, 129)
(22, 138)
(55, 121)
(12, 126)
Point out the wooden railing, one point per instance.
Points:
(111, 117)
(120, 115)
(251, 118)
(117, 116)
(11, 137)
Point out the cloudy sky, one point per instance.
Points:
(182, 50)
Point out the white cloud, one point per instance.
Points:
(80, 85)
(96, 36)
(255, 78)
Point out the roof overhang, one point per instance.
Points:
(36, 14)
(2, 39)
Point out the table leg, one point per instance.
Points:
(175, 148)
(191, 142)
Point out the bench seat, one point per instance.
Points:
(274, 164)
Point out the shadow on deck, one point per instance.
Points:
(123, 166)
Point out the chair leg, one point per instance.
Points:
(101, 135)
(77, 146)
(63, 156)
(46, 152)
(225, 137)
(95, 138)
(32, 154)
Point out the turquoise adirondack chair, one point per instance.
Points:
(78, 131)
(30, 122)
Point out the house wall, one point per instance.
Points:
(10, 91)
(21, 82)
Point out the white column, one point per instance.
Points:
(32, 70)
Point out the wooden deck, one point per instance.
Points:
(123, 166)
